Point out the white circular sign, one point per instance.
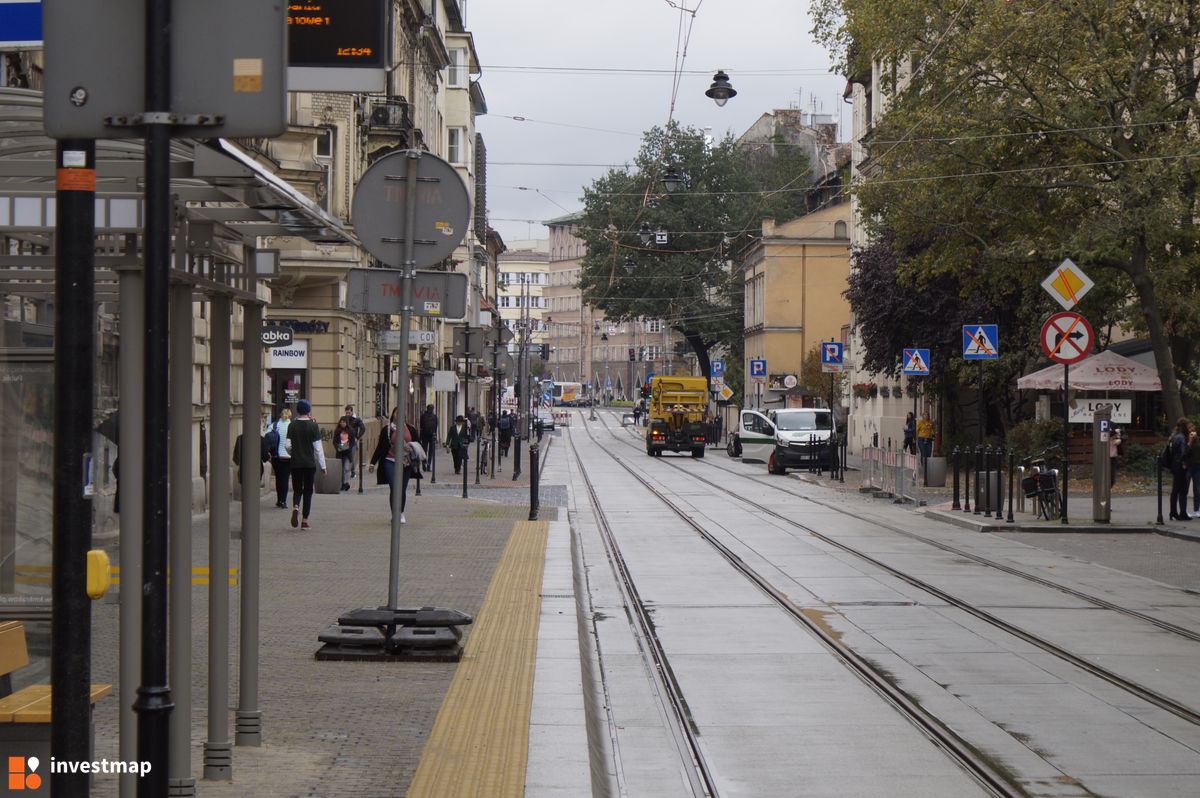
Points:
(789, 381)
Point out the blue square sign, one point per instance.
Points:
(832, 356)
(981, 342)
(758, 368)
(718, 369)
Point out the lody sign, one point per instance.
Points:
(1083, 411)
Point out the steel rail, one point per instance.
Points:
(963, 753)
(1145, 693)
(683, 730)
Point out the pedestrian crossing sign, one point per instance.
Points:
(916, 362)
(981, 342)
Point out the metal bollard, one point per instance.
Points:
(534, 478)
(1012, 461)
(845, 443)
(956, 505)
(466, 468)
(1160, 518)
(978, 470)
(987, 481)
(967, 482)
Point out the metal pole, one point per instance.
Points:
(218, 752)
(130, 361)
(967, 483)
(1160, 492)
(74, 358)
(181, 781)
(522, 392)
(248, 729)
(1011, 468)
(362, 404)
(978, 471)
(413, 158)
(534, 478)
(987, 481)
(1066, 459)
(154, 702)
(956, 505)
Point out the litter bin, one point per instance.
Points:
(935, 472)
(994, 488)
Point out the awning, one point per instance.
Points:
(1105, 371)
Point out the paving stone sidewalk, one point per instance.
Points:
(331, 728)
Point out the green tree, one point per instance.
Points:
(1031, 131)
(692, 282)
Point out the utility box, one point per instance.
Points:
(1102, 433)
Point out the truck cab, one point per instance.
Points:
(677, 414)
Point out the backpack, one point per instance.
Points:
(271, 441)
(505, 422)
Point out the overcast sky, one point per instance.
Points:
(533, 53)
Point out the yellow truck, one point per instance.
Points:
(677, 415)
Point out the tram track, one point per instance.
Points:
(1142, 692)
(999, 783)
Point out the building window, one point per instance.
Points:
(456, 73)
(654, 326)
(456, 145)
(839, 229)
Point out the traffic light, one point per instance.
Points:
(632, 354)
(545, 352)
(646, 391)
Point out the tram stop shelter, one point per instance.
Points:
(232, 213)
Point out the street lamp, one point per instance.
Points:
(720, 90)
(630, 264)
(671, 180)
(645, 233)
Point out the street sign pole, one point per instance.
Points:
(413, 162)
(1066, 436)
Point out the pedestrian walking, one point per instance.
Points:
(910, 434)
(1174, 460)
(281, 461)
(1191, 459)
(457, 440)
(1114, 451)
(344, 444)
(303, 443)
(505, 425)
(429, 433)
(385, 457)
(925, 434)
(359, 429)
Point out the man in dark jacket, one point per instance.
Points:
(457, 440)
(428, 437)
(359, 429)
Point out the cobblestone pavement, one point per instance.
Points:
(331, 728)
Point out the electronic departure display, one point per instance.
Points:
(336, 33)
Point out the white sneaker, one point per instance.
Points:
(403, 520)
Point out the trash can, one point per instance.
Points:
(994, 488)
(935, 472)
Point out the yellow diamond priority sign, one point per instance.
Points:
(1067, 284)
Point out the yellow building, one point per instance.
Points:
(795, 278)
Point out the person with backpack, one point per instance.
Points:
(1173, 459)
(344, 443)
(281, 461)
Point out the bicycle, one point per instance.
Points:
(1041, 485)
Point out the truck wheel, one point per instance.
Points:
(773, 468)
(698, 453)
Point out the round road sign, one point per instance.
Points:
(381, 199)
(1067, 338)
(790, 381)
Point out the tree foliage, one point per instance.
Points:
(1031, 131)
(692, 282)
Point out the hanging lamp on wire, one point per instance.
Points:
(720, 90)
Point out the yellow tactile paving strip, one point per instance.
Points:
(480, 740)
